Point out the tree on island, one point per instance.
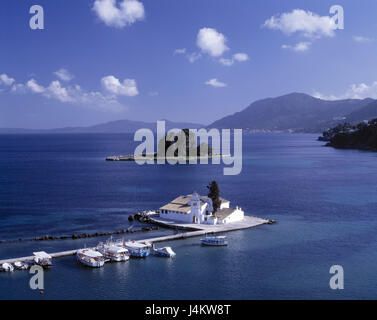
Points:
(214, 195)
(185, 143)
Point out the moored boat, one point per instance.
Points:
(113, 252)
(164, 252)
(90, 258)
(137, 249)
(7, 267)
(19, 265)
(214, 241)
(43, 259)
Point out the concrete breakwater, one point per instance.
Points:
(81, 235)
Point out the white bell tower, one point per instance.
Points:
(196, 209)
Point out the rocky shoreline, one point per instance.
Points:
(362, 136)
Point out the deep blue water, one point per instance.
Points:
(324, 201)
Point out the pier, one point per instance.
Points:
(195, 230)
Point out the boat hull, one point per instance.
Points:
(91, 262)
(211, 244)
(139, 254)
(164, 254)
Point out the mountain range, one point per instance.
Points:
(294, 112)
(119, 126)
(298, 112)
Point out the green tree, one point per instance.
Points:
(214, 195)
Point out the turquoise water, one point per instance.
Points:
(324, 201)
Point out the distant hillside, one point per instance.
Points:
(297, 112)
(120, 126)
(362, 136)
(365, 113)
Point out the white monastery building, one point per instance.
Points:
(197, 209)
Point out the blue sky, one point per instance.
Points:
(93, 64)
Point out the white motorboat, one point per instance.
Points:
(214, 241)
(43, 259)
(21, 265)
(90, 258)
(164, 252)
(137, 249)
(113, 252)
(7, 267)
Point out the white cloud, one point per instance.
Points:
(6, 80)
(34, 86)
(192, 57)
(215, 83)
(306, 23)
(18, 88)
(64, 75)
(71, 94)
(120, 14)
(212, 42)
(354, 91)
(241, 57)
(362, 39)
(299, 47)
(127, 87)
(226, 62)
(153, 93)
(55, 90)
(179, 51)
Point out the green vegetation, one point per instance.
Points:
(214, 195)
(362, 136)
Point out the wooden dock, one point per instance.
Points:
(199, 230)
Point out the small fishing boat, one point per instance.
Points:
(214, 241)
(164, 252)
(7, 267)
(137, 249)
(21, 265)
(112, 252)
(90, 258)
(43, 259)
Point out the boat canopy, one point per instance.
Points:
(116, 249)
(91, 253)
(168, 250)
(136, 245)
(42, 255)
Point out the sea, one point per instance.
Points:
(324, 202)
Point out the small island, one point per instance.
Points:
(362, 136)
(189, 148)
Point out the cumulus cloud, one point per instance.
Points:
(362, 39)
(67, 94)
(64, 75)
(226, 62)
(305, 23)
(354, 91)
(121, 14)
(215, 83)
(179, 51)
(241, 57)
(211, 42)
(34, 86)
(126, 88)
(299, 47)
(6, 80)
(192, 57)
(238, 57)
